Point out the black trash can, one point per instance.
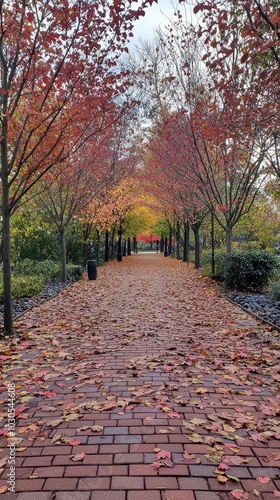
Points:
(92, 269)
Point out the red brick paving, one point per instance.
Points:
(157, 339)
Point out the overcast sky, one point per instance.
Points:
(157, 15)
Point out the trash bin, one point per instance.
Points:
(92, 269)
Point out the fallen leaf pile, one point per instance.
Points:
(171, 342)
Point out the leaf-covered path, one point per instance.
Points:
(145, 383)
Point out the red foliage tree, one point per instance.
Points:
(57, 60)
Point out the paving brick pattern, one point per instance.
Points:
(155, 356)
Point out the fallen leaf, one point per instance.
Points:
(97, 428)
(54, 423)
(263, 479)
(163, 454)
(222, 479)
(78, 458)
(188, 457)
(239, 494)
(3, 461)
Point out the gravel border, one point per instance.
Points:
(259, 305)
(20, 306)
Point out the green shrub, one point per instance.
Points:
(220, 264)
(49, 270)
(250, 270)
(274, 291)
(74, 272)
(24, 286)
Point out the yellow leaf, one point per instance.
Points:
(228, 428)
(97, 428)
(222, 479)
(201, 390)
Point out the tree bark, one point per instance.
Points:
(135, 249)
(8, 317)
(112, 243)
(128, 246)
(63, 256)
(170, 240)
(195, 229)
(124, 248)
(229, 238)
(186, 241)
(178, 240)
(86, 252)
(97, 247)
(165, 247)
(106, 254)
(119, 256)
(212, 243)
(6, 233)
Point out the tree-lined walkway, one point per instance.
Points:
(143, 384)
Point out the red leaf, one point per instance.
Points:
(163, 454)
(75, 442)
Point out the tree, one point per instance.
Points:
(221, 122)
(254, 24)
(242, 41)
(56, 58)
(168, 179)
(251, 228)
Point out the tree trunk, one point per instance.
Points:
(212, 243)
(178, 240)
(165, 247)
(97, 248)
(186, 241)
(7, 275)
(229, 238)
(63, 256)
(124, 248)
(135, 249)
(106, 255)
(86, 252)
(170, 240)
(6, 233)
(195, 228)
(112, 243)
(128, 246)
(119, 256)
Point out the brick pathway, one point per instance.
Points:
(172, 374)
